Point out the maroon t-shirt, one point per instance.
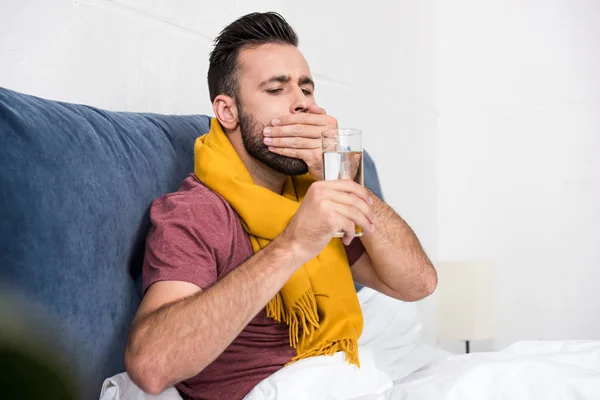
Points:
(197, 237)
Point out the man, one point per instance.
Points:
(242, 273)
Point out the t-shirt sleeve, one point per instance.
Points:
(355, 250)
(183, 243)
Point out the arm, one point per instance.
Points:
(179, 330)
(395, 263)
(173, 337)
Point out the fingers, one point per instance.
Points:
(308, 155)
(345, 209)
(356, 217)
(309, 131)
(296, 142)
(348, 186)
(307, 125)
(317, 118)
(349, 233)
(354, 203)
(311, 156)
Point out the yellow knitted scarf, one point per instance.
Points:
(318, 302)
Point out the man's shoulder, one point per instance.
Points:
(194, 201)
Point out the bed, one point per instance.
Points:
(395, 364)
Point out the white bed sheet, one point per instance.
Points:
(524, 371)
(527, 370)
(406, 369)
(396, 365)
(414, 357)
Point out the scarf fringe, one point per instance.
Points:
(303, 315)
(348, 346)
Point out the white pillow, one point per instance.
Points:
(392, 332)
(388, 322)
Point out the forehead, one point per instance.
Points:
(262, 62)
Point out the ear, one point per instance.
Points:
(225, 109)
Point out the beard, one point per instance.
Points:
(252, 138)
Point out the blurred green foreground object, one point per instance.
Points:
(28, 369)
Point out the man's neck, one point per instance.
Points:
(261, 174)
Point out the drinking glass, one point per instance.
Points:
(343, 159)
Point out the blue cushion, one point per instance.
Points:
(371, 176)
(75, 186)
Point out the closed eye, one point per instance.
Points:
(274, 91)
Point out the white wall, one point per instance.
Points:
(483, 116)
(518, 158)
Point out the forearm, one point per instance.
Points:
(180, 339)
(397, 256)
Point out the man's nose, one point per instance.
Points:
(300, 103)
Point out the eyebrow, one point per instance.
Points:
(304, 80)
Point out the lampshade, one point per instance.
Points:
(464, 300)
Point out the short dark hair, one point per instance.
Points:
(250, 30)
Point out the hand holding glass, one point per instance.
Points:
(343, 159)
